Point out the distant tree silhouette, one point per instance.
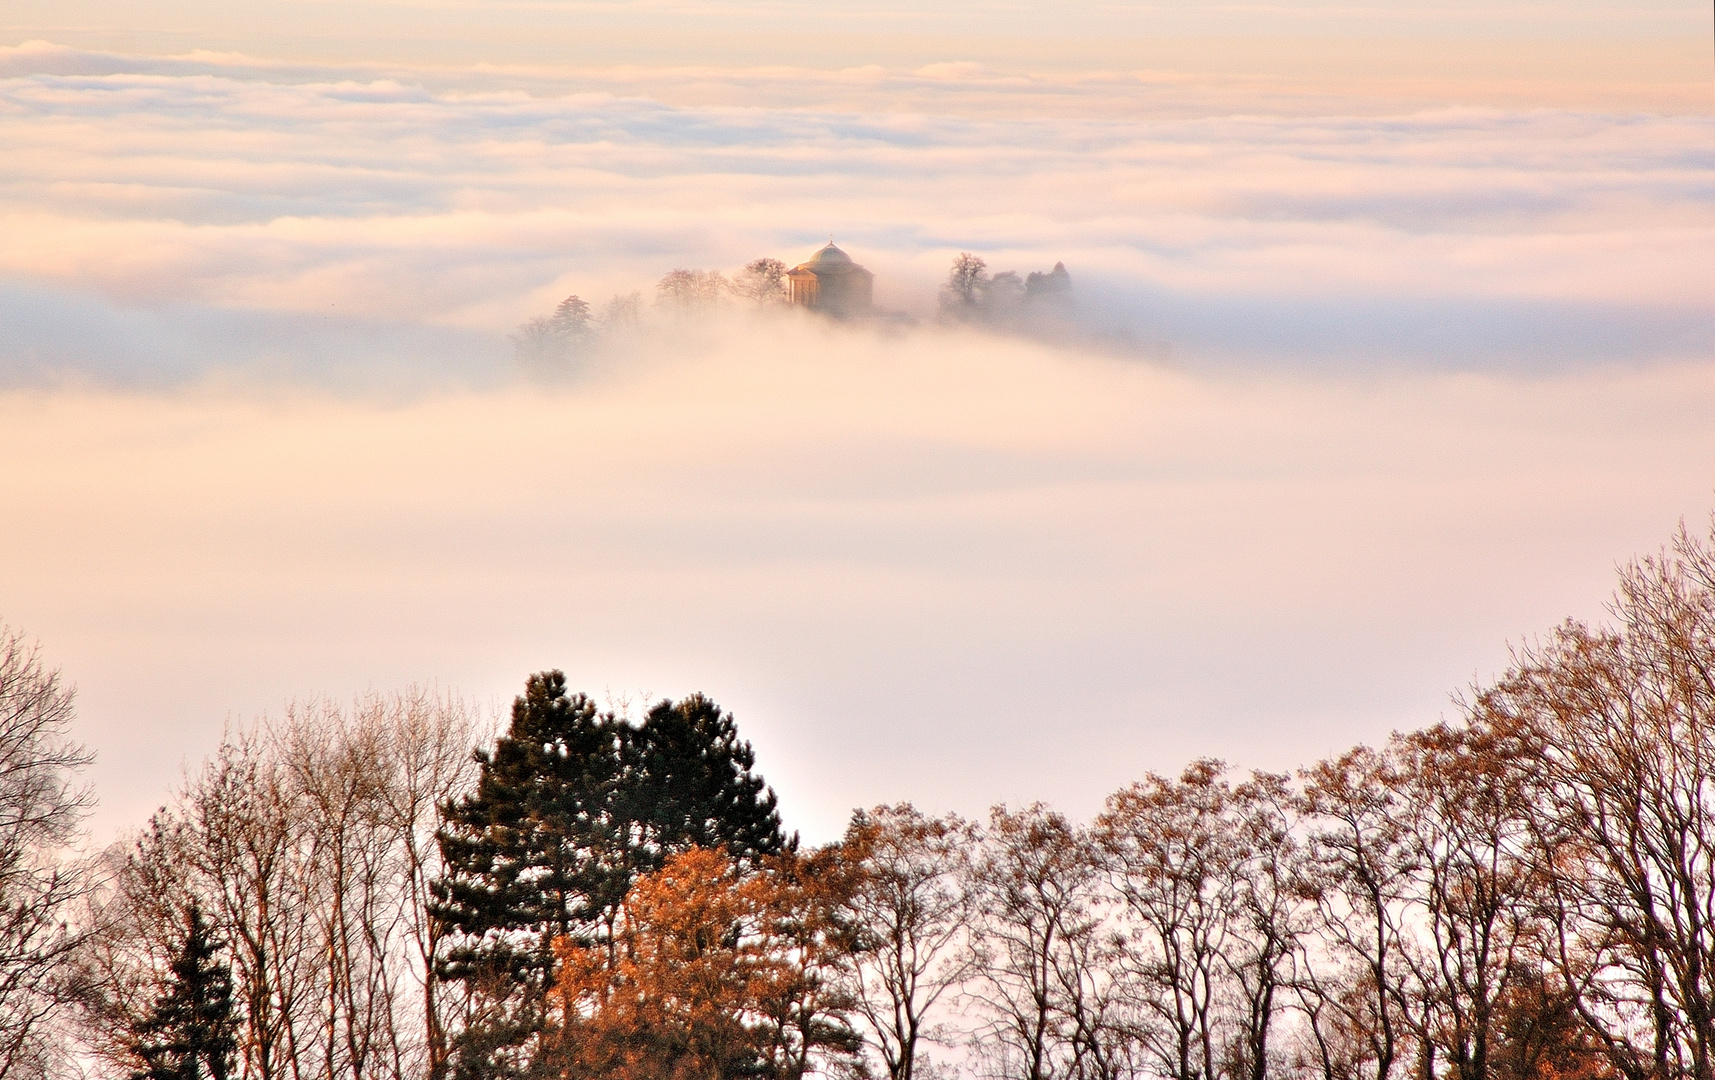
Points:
(763, 280)
(622, 311)
(966, 286)
(572, 315)
(544, 342)
(690, 289)
(1055, 286)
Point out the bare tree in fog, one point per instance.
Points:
(1005, 292)
(339, 768)
(762, 281)
(1168, 849)
(430, 760)
(691, 290)
(911, 912)
(622, 312)
(966, 286)
(40, 808)
(1271, 923)
(246, 842)
(1465, 813)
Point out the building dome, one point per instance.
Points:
(829, 256)
(830, 282)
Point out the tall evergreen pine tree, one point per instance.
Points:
(189, 1034)
(693, 785)
(523, 851)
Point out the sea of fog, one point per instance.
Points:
(1350, 399)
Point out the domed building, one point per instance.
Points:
(830, 282)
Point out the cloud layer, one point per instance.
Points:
(209, 191)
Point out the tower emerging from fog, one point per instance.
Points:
(830, 282)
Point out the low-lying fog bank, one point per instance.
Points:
(860, 539)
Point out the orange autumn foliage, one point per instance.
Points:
(713, 973)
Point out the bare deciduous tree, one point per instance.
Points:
(621, 312)
(966, 285)
(1355, 876)
(1463, 810)
(762, 281)
(1270, 922)
(1619, 725)
(911, 910)
(692, 289)
(1201, 870)
(310, 843)
(40, 808)
(1167, 847)
(1048, 1003)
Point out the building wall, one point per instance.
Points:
(803, 287)
(850, 291)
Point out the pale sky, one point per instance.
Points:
(1400, 338)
